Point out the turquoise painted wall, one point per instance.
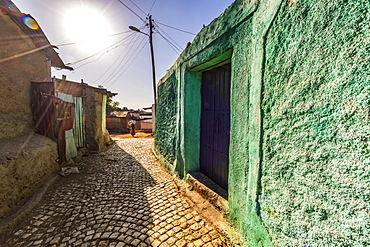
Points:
(165, 128)
(316, 126)
(300, 118)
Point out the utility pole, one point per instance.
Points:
(153, 64)
(150, 35)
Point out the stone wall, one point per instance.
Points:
(300, 131)
(25, 161)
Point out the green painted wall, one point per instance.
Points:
(300, 118)
(165, 129)
(316, 126)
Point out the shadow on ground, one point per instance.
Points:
(104, 204)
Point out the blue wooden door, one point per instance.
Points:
(215, 125)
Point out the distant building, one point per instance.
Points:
(118, 121)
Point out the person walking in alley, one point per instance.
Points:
(132, 127)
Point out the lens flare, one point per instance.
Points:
(30, 23)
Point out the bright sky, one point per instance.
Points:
(104, 51)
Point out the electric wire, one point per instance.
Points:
(174, 48)
(128, 65)
(138, 7)
(151, 7)
(137, 35)
(127, 57)
(97, 53)
(169, 37)
(77, 42)
(175, 28)
(118, 57)
(119, 67)
(101, 56)
(123, 67)
(90, 61)
(131, 10)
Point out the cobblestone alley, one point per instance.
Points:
(122, 197)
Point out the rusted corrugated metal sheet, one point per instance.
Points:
(42, 105)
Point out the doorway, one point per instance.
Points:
(215, 124)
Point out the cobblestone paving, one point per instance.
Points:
(120, 198)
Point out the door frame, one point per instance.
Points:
(189, 112)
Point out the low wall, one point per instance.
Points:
(25, 161)
(117, 125)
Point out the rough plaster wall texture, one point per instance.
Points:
(166, 118)
(238, 160)
(92, 124)
(24, 162)
(15, 77)
(316, 126)
(98, 136)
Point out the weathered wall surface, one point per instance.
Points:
(15, 78)
(316, 142)
(165, 130)
(96, 133)
(299, 169)
(117, 125)
(25, 161)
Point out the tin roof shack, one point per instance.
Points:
(271, 102)
(94, 100)
(26, 55)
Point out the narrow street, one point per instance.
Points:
(121, 197)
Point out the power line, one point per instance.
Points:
(137, 7)
(101, 56)
(90, 62)
(176, 28)
(128, 65)
(119, 67)
(102, 51)
(152, 7)
(170, 44)
(131, 10)
(76, 42)
(136, 34)
(113, 74)
(173, 41)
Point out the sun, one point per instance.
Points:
(89, 28)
